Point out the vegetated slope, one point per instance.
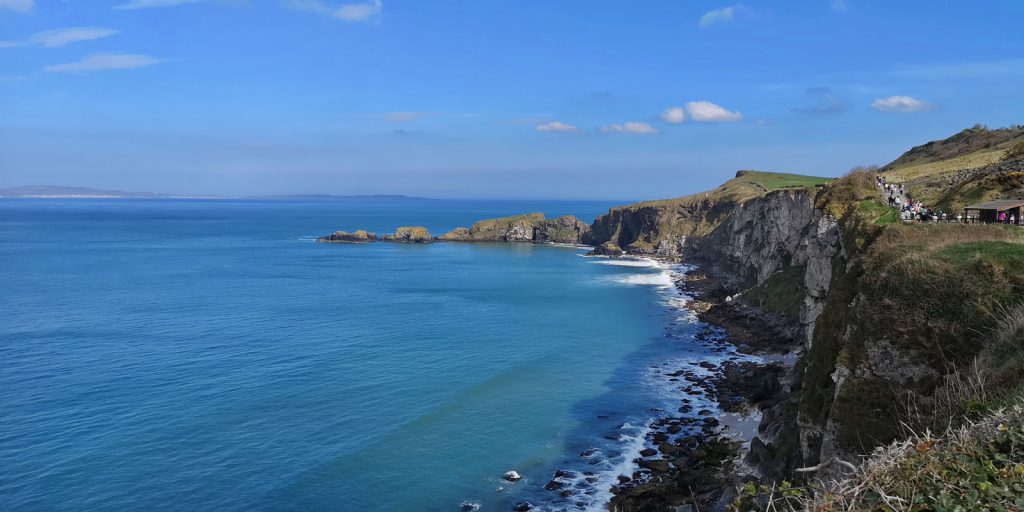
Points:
(976, 466)
(922, 327)
(975, 165)
(892, 315)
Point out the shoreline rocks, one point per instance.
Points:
(606, 249)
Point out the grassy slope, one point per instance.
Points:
(746, 185)
(931, 171)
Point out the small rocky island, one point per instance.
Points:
(530, 227)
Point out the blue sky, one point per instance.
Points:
(488, 98)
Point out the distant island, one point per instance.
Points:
(61, 192)
(45, 191)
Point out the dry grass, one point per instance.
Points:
(903, 174)
(976, 466)
(841, 195)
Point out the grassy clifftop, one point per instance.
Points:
(975, 165)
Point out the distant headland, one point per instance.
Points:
(64, 192)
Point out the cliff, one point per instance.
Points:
(888, 318)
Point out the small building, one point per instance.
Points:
(989, 211)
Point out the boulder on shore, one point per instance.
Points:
(606, 249)
(410, 234)
(344, 237)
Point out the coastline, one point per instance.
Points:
(698, 454)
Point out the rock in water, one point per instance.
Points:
(344, 237)
(522, 506)
(513, 476)
(410, 234)
(606, 249)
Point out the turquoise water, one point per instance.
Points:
(209, 355)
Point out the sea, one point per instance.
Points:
(210, 355)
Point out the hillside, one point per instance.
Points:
(975, 165)
(894, 327)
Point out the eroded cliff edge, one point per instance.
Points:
(885, 320)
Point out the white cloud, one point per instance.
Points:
(723, 15)
(104, 61)
(17, 5)
(403, 117)
(61, 37)
(630, 127)
(901, 104)
(149, 4)
(838, 5)
(354, 12)
(706, 112)
(673, 115)
(556, 126)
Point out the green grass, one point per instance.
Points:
(881, 214)
(1005, 254)
(778, 180)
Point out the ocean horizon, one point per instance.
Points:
(210, 355)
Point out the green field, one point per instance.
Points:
(777, 180)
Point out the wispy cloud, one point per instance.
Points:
(723, 15)
(104, 62)
(17, 5)
(673, 115)
(403, 117)
(838, 5)
(351, 12)
(821, 100)
(630, 127)
(901, 104)
(963, 70)
(557, 126)
(707, 112)
(150, 4)
(61, 37)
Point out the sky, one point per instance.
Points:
(560, 99)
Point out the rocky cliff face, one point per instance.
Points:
(746, 244)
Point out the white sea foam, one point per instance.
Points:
(661, 279)
(627, 262)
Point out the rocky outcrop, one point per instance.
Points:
(606, 249)
(409, 234)
(456, 235)
(531, 227)
(344, 237)
(562, 230)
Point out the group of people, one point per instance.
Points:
(915, 211)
